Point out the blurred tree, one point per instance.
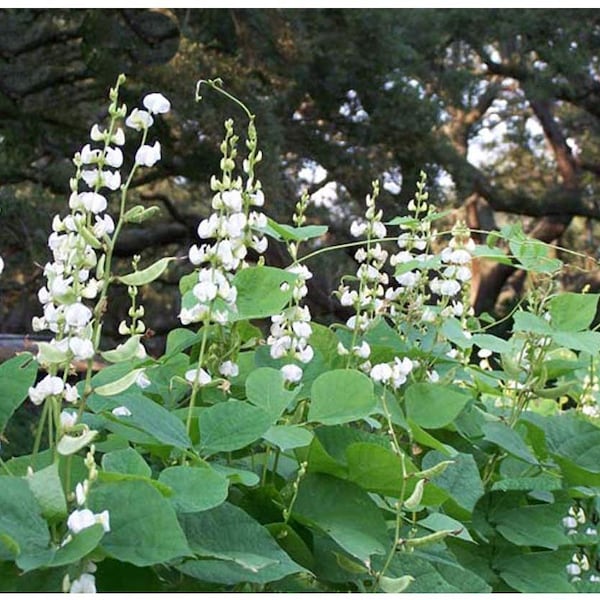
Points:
(499, 106)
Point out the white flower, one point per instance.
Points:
(113, 157)
(148, 156)
(199, 375)
(357, 229)
(381, 372)
(118, 137)
(305, 355)
(379, 229)
(156, 103)
(349, 297)
(573, 569)
(48, 386)
(139, 119)
(89, 155)
(121, 411)
(142, 380)
(569, 522)
(363, 351)
(104, 519)
(71, 393)
(81, 519)
(82, 349)
(291, 373)
(229, 369)
(103, 226)
(77, 315)
(233, 200)
(68, 419)
(93, 202)
(81, 490)
(84, 584)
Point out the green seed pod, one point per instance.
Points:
(433, 471)
(414, 499)
(432, 538)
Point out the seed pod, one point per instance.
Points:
(432, 538)
(433, 471)
(414, 499)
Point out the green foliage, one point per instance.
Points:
(405, 450)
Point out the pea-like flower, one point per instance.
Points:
(156, 103)
(148, 156)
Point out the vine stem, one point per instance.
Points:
(398, 520)
(195, 385)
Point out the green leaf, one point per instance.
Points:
(343, 511)
(537, 572)
(146, 275)
(422, 437)
(260, 292)
(17, 375)
(126, 460)
(236, 475)
(536, 525)
(439, 522)
(541, 483)
(575, 445)
(375, 468)
(241, 549)
(526, 321)
(296, 234)
(508, 439)
(148, 416)
(432, 405)
(231, 425)
(585, 341)
(573, 312)
(265, 388)
(391, 585)
(436, 574)
(461, 480)
(341, 396)
(22, 527)
(491, 342)
(81, 545)
(47, 489)
(495, 254)
(143, 525)
(195, 489)
(287, 437)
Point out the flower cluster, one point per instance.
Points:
(452, 284)
(588, 400)
(85, 583)
(394, 373)
(368, 300)
(576, 523)
(407, 300)
(78, 244)
(232, 228)
(291, 329)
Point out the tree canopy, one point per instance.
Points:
(500, 107)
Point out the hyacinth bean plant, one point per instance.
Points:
(406, 449)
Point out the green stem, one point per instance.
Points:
(40, 428)
(195, 386)
(5, 467)
(217, 85)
